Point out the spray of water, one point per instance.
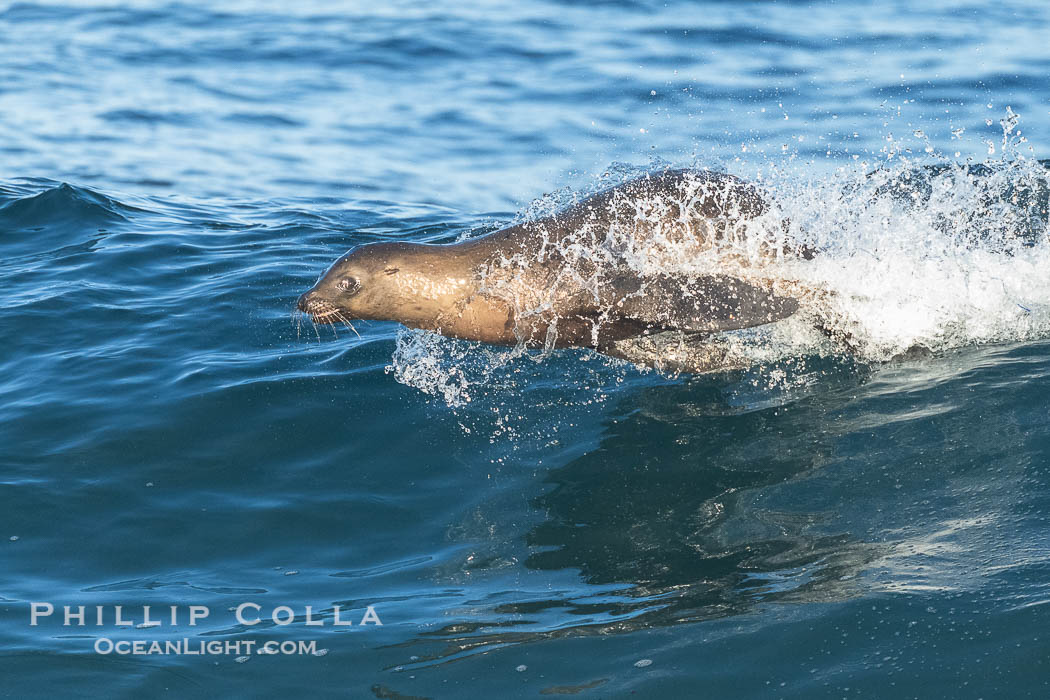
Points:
(927, 254)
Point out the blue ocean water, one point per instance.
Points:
(174, 175)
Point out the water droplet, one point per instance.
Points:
(1009, 121)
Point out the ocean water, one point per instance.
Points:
(824, 524)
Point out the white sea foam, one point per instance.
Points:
(928, 258)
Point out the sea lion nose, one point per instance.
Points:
(304, 301)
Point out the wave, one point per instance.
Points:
(60, 205)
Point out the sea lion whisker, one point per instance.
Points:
(324, 314)
(345, 320)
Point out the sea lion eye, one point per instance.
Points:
(347, 284)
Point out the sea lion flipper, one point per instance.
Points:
(697, 304)
(676, 351)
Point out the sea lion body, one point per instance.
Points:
(588, 276)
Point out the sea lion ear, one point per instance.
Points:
(392, 270)
(696, 304)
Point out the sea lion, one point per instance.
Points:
(591, 275)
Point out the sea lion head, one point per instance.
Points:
(359, 285)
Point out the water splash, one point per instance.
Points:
(935, 257)
(451, 369)
(914, 254)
